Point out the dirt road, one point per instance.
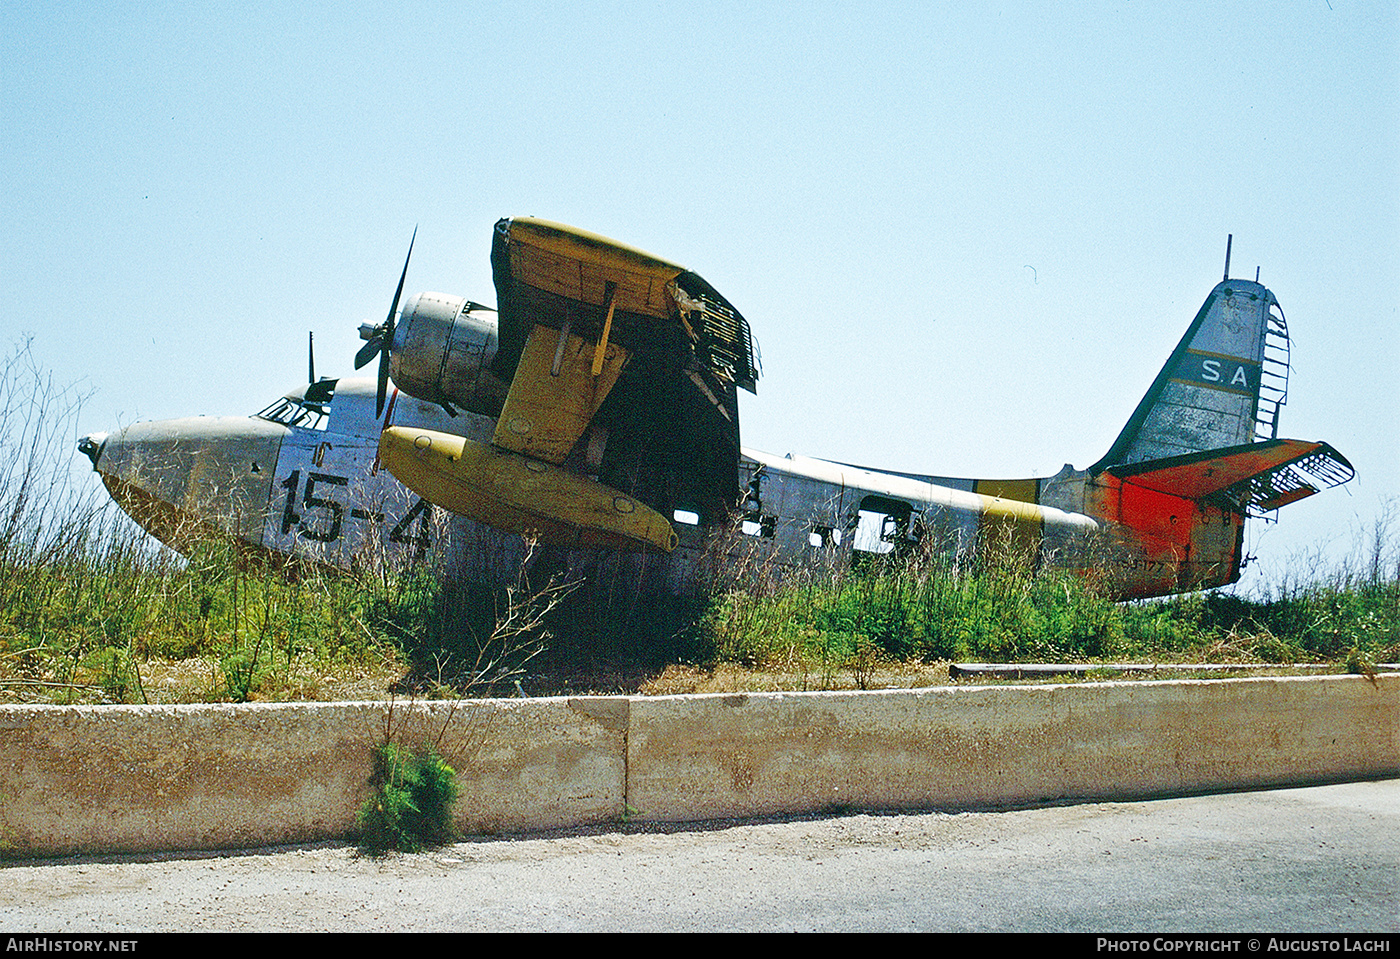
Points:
(1316, 859)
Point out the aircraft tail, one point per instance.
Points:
(1249, 479)
(1223, 385)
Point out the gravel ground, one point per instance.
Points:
(1316, 859)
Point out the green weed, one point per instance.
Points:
(412, 803)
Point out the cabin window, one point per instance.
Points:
(307, 409)
(824, 536)
(762, 526)
(883, 525)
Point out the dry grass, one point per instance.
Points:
(680, 679)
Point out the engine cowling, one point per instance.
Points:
(442, 349)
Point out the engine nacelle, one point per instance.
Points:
(441, 352)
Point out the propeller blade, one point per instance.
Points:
(383, 372)
(366, 352)
(383, 384)
(388, 336)
(394, 307)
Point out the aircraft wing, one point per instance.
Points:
(576, 309)
(1254, 477)
(597, 333)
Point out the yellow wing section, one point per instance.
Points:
(519, 495)
(596, 334)
(573, 286)
(579, 265)
(555, 393)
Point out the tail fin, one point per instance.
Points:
(1222, 386)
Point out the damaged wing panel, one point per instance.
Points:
(1255, 477)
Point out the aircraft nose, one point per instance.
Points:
(91, 446)
(179, 477)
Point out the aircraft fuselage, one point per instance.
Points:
(304, 480)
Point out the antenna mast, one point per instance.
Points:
(1229, 239)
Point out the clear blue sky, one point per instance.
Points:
(966, 235)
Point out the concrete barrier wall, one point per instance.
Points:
(760, 754)
(130, 778)
(126, 778)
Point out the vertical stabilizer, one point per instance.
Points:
(1208, 395)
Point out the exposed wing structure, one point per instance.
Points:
(549, 274)
(1250, 479)
(723, 342)
(573, 309)
(621, 406)
(622, 365)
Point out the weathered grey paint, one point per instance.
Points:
(315, 491)
(799, 493)
(216, 470)
(1207, 395)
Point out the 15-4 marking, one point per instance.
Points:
(332, 514)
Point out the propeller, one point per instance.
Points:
(382, 336)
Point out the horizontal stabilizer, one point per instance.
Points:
(1253, 478)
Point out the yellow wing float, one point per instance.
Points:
(518, 494)
(621, 407)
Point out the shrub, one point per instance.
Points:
(411, 807)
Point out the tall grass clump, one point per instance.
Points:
(88, 600)
(926, 606)
(73, 583)
(1322, 609)
(922, 607)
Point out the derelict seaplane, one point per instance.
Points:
(595, 409)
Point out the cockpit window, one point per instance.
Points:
(307, 408)
(291, 412)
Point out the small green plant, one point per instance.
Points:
(414, 794)
(1360, 663)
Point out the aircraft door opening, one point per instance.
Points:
(883, 526)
